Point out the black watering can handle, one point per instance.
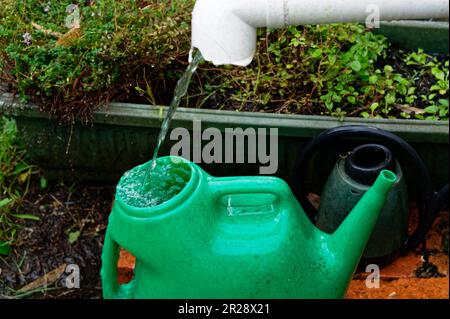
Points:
(428, 205)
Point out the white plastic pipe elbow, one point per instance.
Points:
(225, 30)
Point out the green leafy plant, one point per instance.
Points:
(15, 175)
(135, 51)
(120, 44)
(338, 70)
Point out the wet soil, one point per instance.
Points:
(71, 228)
(70, 231)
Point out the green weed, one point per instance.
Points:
(15, 173)
(339, 70)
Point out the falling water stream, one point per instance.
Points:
(151, 184)
(180, 91)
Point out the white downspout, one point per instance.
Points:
(225, 30)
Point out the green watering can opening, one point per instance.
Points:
(170, 181)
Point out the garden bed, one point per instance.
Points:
(340, 70)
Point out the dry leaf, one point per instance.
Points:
(46, 31)
(46, 280)
(409, 109)
(68, 38)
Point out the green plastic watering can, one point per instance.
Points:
(235, 237)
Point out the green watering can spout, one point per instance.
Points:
(232, 237)
(353, 234)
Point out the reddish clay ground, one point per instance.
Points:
(398, 280)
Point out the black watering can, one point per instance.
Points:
(353, 174)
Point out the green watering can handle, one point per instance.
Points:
(110, 255)
(252, 185)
